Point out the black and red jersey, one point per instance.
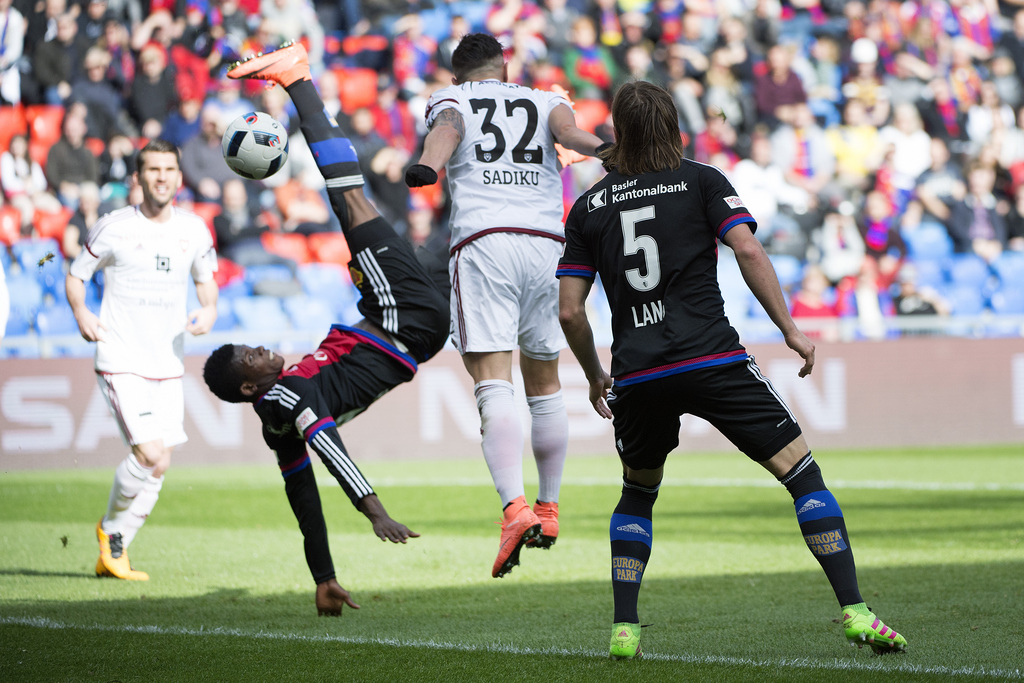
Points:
(652, 239)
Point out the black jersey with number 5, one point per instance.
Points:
(652, 239)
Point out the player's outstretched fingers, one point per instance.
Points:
(331, 598)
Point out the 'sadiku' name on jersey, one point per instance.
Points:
(511, 178)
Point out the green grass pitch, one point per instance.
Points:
(731, 592)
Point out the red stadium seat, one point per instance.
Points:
(12, 122)
(52, 223)
(356, 88)
(329, 247)
(44, 122)
(95, 145)
(10, 225)
(207, 211)
(291, 245)
(591, 113)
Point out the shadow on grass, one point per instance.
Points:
(961, 618)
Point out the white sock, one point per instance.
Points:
(140, 508)
(129, 479)
(502, 437)
(549, 435)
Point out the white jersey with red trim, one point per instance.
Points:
(146, 266)
(504, 174)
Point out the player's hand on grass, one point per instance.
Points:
(331, 598)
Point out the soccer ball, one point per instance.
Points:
(255, 145)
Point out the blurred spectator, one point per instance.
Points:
(665, 20)
(989, 114)
(965, 78)
(867, 299)
(40, 22)
(639, 66)
(864, 82)
(879, 226)
(69, 162)
(911, 150)
(12, 45)
(779, 87)
(458, 27)
(717, 143)
(238, 227)
(526, 50)
(364, 136)
(57, 62)
(117, 42)
(906, 81)
(1013, 41)
(815, 300)
(1015, 222)
(503, 14)
(913, 300)
(839, 244)
(803, 152)
(85, 216)
(393, 119)
(770, 198)
(153, 94)
(117, 165)
(227, 98)
(1006, 78)
(24, 184)
(589, 66)
(183, 124)
(856, 146)
(412, 52)
(740, 53)
(302, 207)
(823, 90)
(297, 20)
(92, 20)
(939, 186)
(386, 179)
(202, 161)
(5, 302)
(724, 93)
(940, 114)
(107, 115)
(558, 20)
(976, 223)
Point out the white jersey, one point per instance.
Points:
(146, 266)
(504, 174)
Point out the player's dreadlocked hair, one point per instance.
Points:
(646, 130)
(476, 51)
(223, 376)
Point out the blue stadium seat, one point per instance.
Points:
(26, 299)
(966, 300)
(789, 269)
(928, 241)
(930, 274)
(330, 282)
(968, 270)
(226, 320)
(1009, 268)
(310, 313)
(56, 319)
(261, 314)
(1009, 301)
(29, 252)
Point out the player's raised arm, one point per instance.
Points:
(446, 132)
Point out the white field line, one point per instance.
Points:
(502, 648)
(762, 482)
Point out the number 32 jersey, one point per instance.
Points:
(652, 239)
(504, 174)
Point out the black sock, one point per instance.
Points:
(821, 522)
(332, 151)
(631, 532)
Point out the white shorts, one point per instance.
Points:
(505, 293)
(145, 409)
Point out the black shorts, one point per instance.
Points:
(735, 398)
(403, 292)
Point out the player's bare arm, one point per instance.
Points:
(331, 598)
(760, 277)
(88, 322)
(201, 320)
(386, 528)
(562, 123)
(572, 315)
(446, 132)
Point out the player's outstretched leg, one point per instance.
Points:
(288, 66)
(862, 628)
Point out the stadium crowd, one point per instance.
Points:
(879, 145)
